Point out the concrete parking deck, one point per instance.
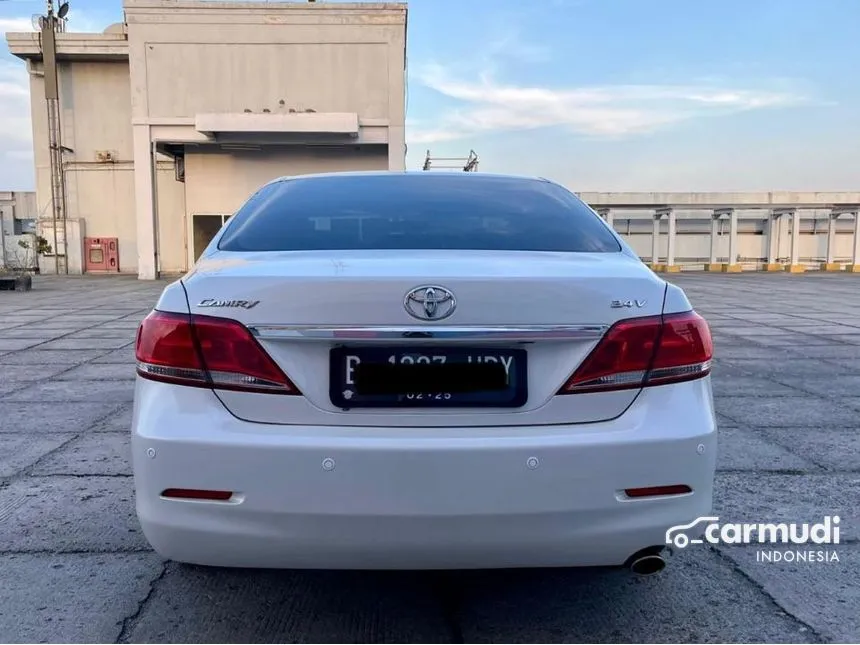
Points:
(74, 565)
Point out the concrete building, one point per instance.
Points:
(170, 119)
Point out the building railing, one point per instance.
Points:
(791, 238)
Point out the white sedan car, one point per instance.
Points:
(420, 371)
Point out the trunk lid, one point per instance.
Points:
(301, 305)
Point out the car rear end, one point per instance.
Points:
(396, 371)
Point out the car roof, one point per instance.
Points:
(422, 174)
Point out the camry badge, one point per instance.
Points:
(244, 304)
(430, 302)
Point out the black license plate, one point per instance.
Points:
(427, 377)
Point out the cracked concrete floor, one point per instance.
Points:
(75, 567)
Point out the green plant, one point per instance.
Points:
(43, 246)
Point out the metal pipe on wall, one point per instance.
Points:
(49, 25)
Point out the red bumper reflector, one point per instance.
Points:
(193, 493)
(658, 491)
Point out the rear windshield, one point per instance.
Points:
(399, 211)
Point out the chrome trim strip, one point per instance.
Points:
(424, 333)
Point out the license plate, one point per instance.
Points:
(427, 377)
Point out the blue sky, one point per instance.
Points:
(599, 94)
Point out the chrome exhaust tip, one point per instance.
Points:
(648, 565)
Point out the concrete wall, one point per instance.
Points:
(95, 119)
(340, 77)
(96, 102)
(70, 241)
(172, 236)
(221, 182)
(218, 183)
(275, 56)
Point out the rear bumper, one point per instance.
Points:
(346, 497)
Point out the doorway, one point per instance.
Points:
(204, 228)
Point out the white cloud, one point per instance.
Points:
(507, 43)
(15, 24)
(14, 107)
(15, 129)
(77, 21)
(16, 142)
(84, 22)
(26, 155)
(487, 105)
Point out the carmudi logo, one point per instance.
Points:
(822, 535)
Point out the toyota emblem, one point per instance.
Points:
(430, 302)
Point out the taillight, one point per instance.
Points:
(684, 351)
(205, 351)
(639, 352)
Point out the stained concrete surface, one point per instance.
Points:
(75, 567)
